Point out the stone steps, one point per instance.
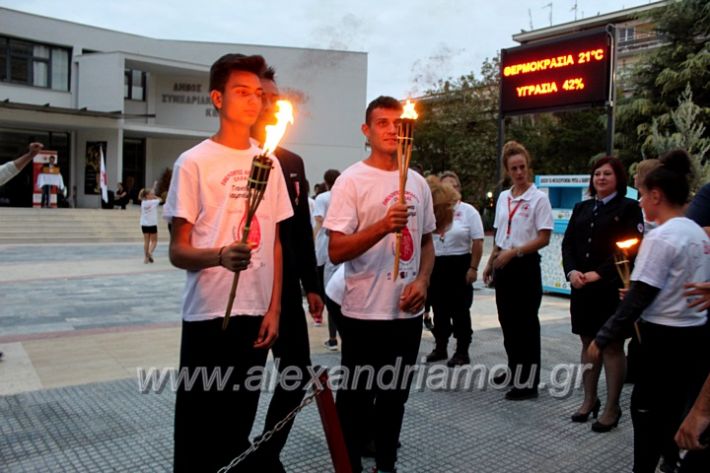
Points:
(33, 225)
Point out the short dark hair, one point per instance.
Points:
(382, 101)
(621, 177)
(224, 66)
(330, 176)
(672, 176)
(269, 74)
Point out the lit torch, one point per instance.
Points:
(258, 178)
(623, 267)
(405, 139)
(621, 259)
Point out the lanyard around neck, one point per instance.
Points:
(511, 214)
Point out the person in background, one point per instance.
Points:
(325, 267)
(642, 170)
(523, 225)
(120, 198)
(10, 169)
(291, 350)
(311, 204)
(699, 208)
(50, 168)
(588, 249)
(674, 360)
(149, 222)
(458, 245)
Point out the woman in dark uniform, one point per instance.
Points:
(588, 251)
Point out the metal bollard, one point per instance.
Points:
(331, 427)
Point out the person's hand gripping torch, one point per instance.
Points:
(256, 184)
(623, 266)
(405, 140)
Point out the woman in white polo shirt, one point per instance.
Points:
(673, 359)
(523, 225)
(458, 245)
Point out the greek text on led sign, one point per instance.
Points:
(572, 71)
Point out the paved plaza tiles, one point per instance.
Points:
(76, 321)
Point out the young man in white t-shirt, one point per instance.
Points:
(381, 325)
(207, 203)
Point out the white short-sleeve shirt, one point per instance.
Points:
(531, 212)
(149, 212)
(673, 254)
(466, 227)
(208, 189)
(360, 198)
(320, 209)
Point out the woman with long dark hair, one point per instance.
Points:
(674, 361)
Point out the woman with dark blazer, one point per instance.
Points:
(588, 251)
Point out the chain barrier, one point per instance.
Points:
(308, 399)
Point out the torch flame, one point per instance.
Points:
(409, 111)
(274, 133)
(626, 244)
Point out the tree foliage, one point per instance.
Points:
(457, 130)
(683, 130)
(662, 75)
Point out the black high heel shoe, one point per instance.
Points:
(584, 416)
(601, 428)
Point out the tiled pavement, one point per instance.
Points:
(103, 423)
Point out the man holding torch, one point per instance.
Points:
(382, 311)
(207, 204)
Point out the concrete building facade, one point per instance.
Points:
(145, 100)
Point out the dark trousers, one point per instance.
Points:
(334, 315)
(518, 296)
(45, 195)
(376, 344)
(291, 349)
(673, 364)
(212, 423)
(451, 298)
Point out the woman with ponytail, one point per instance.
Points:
(673, 358)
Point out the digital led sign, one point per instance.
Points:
(572, 71)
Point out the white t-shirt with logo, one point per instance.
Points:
(673, 254)
(208, 189)
(360, 198)
(149, 212)
(531, 212)
(320, 209)
(466, 227)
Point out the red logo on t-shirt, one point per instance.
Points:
(254, 238)
(406, 247)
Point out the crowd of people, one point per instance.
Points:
(339, 250)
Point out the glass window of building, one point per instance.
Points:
(34, 64)
(134, 85)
